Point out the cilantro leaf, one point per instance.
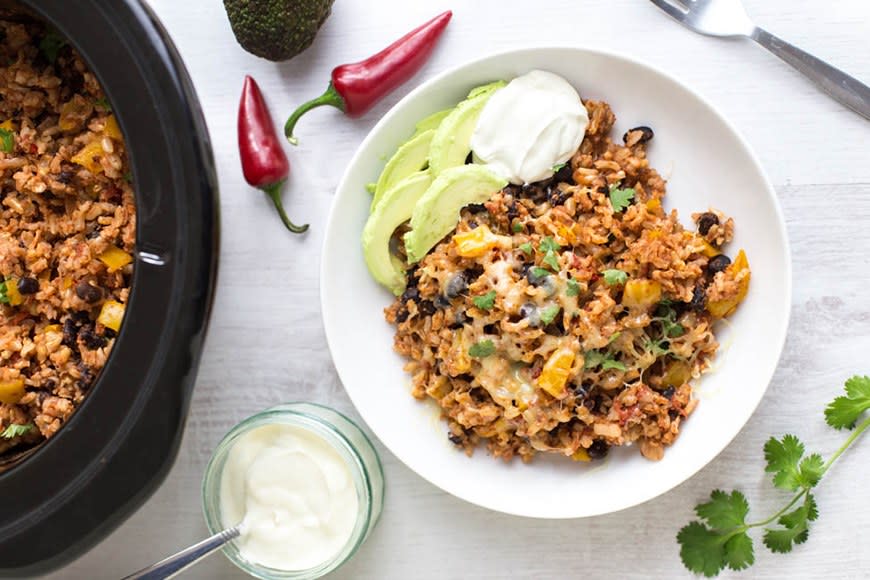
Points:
(4, 299)
(516, 227)
(14, 430)
(701, 549)
(811, 470)
(614, 277)
(540, 273)
(782, 460)
(486, 301)
(620, 198)
(51, 44)
(656, 347)
(573, 288)
(845, 410)
(674, 329)
(551, 260)
(103, 104)
(549, 313)
(796, 527)
(526, 248)
(558, 167)
(7, 140)
(481, 349)
(614, 336)
(724, 511)
(739, 553)
(592, 359)
(614, 364)
(548, 244)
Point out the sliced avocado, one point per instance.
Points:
(396, 208)
(437, 212)
(412, 156)
(431, 122)
(452, 141)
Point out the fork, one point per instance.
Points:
(727, 18)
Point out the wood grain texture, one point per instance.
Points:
(266, 344)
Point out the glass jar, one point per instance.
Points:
(351, 444)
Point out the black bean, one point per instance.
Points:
(70, 332)
(512, 210)
(534, 192)
(87, 376)
(669, 392)
(28, 285)
(476, 208)
(426, 308)
(707, 221)
(718, 263)
(536, 276)
(441, 302)
(528, 310)
(459, 320)
(88, 292)
(565, 174)
(673, 414)
(646, 134)
(402, 315)
(109, 333)
(65, 176)
(90, 338)
(456, 286)
(473, 273)
(559, 197)
(699, 299)
(490, 329)
(410, 293)
(598, 449)
(455, 439)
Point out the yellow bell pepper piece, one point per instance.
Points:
(52, 328)
(12, 293)
(89, 156)
(581, 455)
(112, 129)
(111, 315)
(654, 204)
(707, 249)
(556, 371)
(11, 391)
(641, 293)
(677, 374)
(738, 270)
(8, 124)
(475, 243)
(115, 258)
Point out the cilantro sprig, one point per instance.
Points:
(620, 198)
(614, 277)
(481, 349)
(14, 430)
(4, 298)
(485, 301)
(7, 140)
(605, 360)
(719, 539)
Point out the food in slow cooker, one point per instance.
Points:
(67, 232)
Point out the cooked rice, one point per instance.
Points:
(59, 213)
(627, 365)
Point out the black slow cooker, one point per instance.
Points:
(119, 445)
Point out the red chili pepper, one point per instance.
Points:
(264, 162)
(356, 87)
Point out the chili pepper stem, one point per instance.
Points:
(274, 192)
(330, 97)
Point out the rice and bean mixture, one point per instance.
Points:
(67, 231)
(570, 315)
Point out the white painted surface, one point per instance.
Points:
(266, 343)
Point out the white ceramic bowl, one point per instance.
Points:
(707, 164)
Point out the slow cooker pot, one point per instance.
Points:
(116, 449)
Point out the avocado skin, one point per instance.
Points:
(276, 29)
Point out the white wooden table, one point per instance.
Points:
(266, 344)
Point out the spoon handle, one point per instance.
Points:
(848, 90)
(174, 564)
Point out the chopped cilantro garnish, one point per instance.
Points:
(539, 272)
(620, 198)
(548, 244)
(526, 248)
(551, 260)
(4, 299)
(558, 167)
(614, 336)
(614, 277)
(486, 301)
(103, 104)
(573, 288)
(610, 364)
(7, 141)
(606, 361)
(549, 313)
(51, 44)
(481, 349)
(14, 430)
(516, 227)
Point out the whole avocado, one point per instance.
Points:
(276, 29)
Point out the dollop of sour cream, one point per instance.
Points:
(535, 122)
(294, 495)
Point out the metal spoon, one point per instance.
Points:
(728, 18)
(169, 567)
